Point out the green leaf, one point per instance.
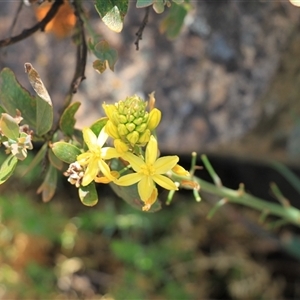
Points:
(112, 13)
(54, 160)
(88, 194)
(13, 96)
(97, 126)
(48, 187)
(2, 110)
(67, 120)
(9, 127)
(106, 55)
(66, 152)
(44, 111)
(172, 24)
(7, 168)
(37, 159)
(144, 3)
(159, 6)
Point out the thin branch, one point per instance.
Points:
(81, 55)
(139, 33)
(81, 58)
(40, 25)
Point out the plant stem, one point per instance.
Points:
(287, 213)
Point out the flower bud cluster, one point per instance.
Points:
(130, 124)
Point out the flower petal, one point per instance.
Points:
(89, 138)
(90, 172)
(165, 164)
(129, 179)
(109, 152)
(151, 200)
(135, 161)
(151, 151)
(84, 158)
(145, 187)
(104, 168)
(164, 182)
(102, 137)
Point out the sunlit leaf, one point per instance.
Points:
(159, 6)
(112, 13)
(172, 24)
(9, 127)
(97, 126)
(88, 194)
(13, 96)
(144, 3)
(67, 120)
(44, 110)
(48, 187)
(66, 152)
(7, 168)
(104, 53)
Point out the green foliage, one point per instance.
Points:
(88, 194)
(48, 187)
(14, 97)
(7, 168)
(65, 152)
(112, 13)
(9, 127)
(172, 23)
(106, 54)
(67, 120)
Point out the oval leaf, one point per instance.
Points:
(44, 109)
(54, 160)
(97, 126)
(88, 194)
(9, 127)
(172, 24)
(13, 96)
(66, 152)
(48, 187)
(7, 168)
(67, 120)
(144, 3)
(112, 13)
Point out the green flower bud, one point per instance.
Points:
(122, 130)
(130, 122)
(133, 137)
(130, 127)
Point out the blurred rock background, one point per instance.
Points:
(227, 85)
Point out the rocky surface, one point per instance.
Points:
(210, 82)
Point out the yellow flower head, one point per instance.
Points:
(94, 158)
(149, 172)
(130, 122)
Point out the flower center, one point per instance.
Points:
(147, 169)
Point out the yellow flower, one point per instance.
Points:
(95, 157)
(149, 172)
